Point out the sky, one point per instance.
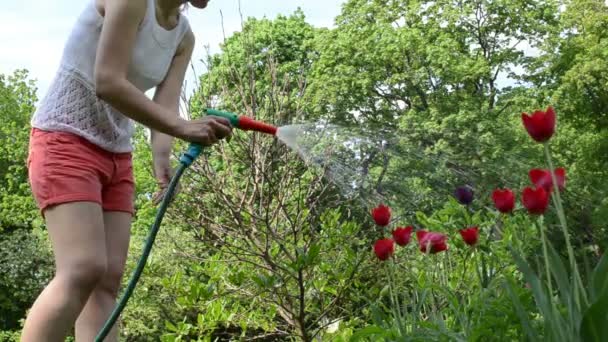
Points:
(33, 32)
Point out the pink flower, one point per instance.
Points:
(402, 235)
(431, 242)
(384, 248)
(381, 215)
(470, 235)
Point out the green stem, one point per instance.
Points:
(433, 282)
(515, 236)
(578, 283)
(444, 271)
(483, 270)
(464, 267)
(467, 217)
(394, 299)
(548, 270)
(494, 227)
(545, 255)
(478, 271)
(408, 300)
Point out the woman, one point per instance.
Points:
(80, 151)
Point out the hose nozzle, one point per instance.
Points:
(240, 122)
(244, 122)
(249, 124)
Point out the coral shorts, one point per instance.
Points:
(64, 167)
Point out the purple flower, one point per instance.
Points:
(464, 194)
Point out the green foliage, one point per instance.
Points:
(9, 336)
(266, 59)
(260, 245)
(279, 242)
(25, 259)
(17, 99)
(574, 316)
(457, 295)
(414, 57)
(25, 268)
(573, 70)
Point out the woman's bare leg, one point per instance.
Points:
(77, 234)
(103, 299)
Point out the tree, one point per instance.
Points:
(573, 69)
(255, 206)
(17, 99)
(572, 73)
(425, 76)
(25, 259)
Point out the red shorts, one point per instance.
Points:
(64, 167)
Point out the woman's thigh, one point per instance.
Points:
(76, 232)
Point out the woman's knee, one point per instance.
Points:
(84, 274)
(117, 228)
(76, 230)
(112, 278)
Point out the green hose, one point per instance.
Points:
(186, 161)
(194, 150)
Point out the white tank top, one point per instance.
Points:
(71, 104)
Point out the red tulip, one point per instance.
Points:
(535, 200)
(402, 235)
(384, 248)
(431, 242)
(542, 178)
(504, 200)
(381, 215)
(540, 125)
(470, 235)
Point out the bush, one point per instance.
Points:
(26, 266)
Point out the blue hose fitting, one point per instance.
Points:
(194, 150)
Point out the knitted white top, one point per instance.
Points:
(71, 103)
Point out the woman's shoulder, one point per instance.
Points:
(136, 8)
(187, 42)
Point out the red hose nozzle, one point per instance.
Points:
(249, 124)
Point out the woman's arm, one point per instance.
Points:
(121, 21)
(168, 95)
(168, 92)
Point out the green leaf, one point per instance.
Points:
(200, 320)
(594, 326)
(369, 331)
(313, 253)
(170, 326)
(599, 278)
(554, 323)
(521, 312)
(561, 277)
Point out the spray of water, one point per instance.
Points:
(381, 166)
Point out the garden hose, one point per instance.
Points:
(144, 257)
(186, 160)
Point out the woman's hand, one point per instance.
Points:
(163, 172)
(206, 131)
